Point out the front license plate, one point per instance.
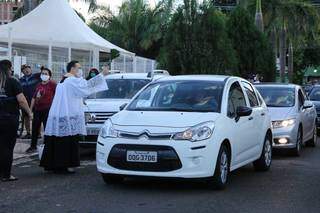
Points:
(93, 131)
(142, 156)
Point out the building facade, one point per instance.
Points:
(8, 10)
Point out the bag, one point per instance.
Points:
(40, 149)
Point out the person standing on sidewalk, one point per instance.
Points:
(11, 97)
(29, 82)
(40, 106)
(66, 120)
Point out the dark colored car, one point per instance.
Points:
(314, 96)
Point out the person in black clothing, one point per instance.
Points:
(11, 97)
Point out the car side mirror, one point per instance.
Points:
(243, 111)
(307, 105)
(123, 106)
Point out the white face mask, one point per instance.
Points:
(44, 77)
(79, 73)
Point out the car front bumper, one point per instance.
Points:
(176, 159)
(289, 133)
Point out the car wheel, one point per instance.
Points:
(297, 150)
(221, 173)
(313, 141)
(112, 179)
(265, 160)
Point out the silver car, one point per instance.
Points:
(293, 116)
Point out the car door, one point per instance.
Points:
(258, 114)
(242, 130)
(306, 116)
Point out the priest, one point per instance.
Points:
(66, 121)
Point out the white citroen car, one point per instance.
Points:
(187, 127)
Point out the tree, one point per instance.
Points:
(253, 50)
(197, 41)
(137, 28)
(289, 21)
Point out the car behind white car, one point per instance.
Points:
(187, 127)
(294, 117)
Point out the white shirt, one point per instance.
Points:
(66, 116)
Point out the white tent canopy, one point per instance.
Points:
(55, 24)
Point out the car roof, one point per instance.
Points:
(279, 85)
(128, 76)
(195, 77)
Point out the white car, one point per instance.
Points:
(293, 116)
(187, 127)
(100, 106)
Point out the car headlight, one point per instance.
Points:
(107, 130)
(283, 123)
(199, 132)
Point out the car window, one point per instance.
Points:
(235, 99)
(301, 98)
(314, 94)
(251, 94)
(197, 96)
(275, 96)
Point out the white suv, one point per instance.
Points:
(100, 106)
(187, 127)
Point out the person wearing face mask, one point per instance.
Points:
(66, 121)
(29, 81)
(92, 73)
(40, 105)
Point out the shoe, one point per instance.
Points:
(71, 171)
(27, 136)
(9, 179)
(31, 150)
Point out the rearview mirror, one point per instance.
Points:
(123, 106)
(307, 105)
(243, 111)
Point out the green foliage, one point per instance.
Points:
(254, 52)
(197, 42)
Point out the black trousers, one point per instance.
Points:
(39, 117)
(8, 134)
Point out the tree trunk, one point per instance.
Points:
(274, 44)
(259, 17)
(290, 62)
(283, 52)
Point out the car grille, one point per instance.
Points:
(99, 117)
(147, 135)
(168, 159)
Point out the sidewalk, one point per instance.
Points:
(20, 149)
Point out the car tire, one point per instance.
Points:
(313, 141)
(265, 160)
(222, 170)
(112, 179)
(297, 150)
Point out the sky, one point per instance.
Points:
(81, 7)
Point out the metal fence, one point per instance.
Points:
(133, 64)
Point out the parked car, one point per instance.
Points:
(102, 105)
(187, 127)
(293, 116)
(314, 95)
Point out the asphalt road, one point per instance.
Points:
(292, 185)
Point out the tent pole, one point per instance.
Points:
(69, 52)
(124, 63)
(50, 55)
(9, 44)
(134, 64)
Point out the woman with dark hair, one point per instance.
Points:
(92, 73)
(40, 105)
(11, 97)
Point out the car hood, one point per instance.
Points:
(281, 113)
(104, 105)
(159, 121)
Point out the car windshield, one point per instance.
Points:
(278, 96)
(189, 96)
(120, 89)
(315, 94)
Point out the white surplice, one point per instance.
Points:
(66, 116)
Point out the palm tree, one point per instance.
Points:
(287, 21)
